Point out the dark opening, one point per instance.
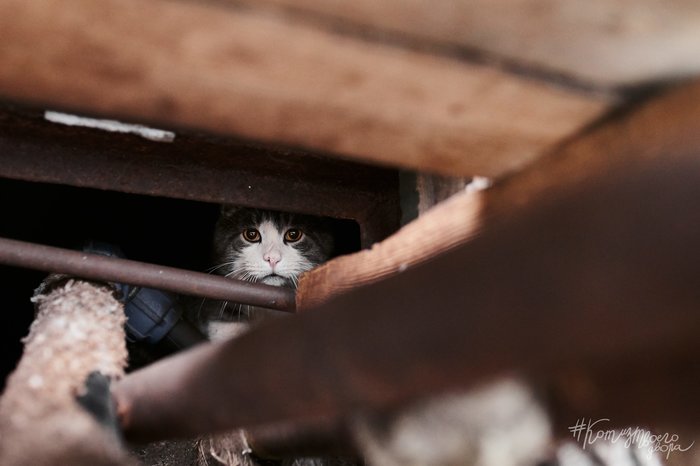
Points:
(151, 229)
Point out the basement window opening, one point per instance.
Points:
(156, 230)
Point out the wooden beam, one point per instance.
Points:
(260, 76)
(600, 42)
(546, 290)
(441, 229)
(667, 127)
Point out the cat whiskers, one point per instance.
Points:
(244, 276)
(242, 309)
(295, 281)
(224, 304)
(223, 264)
(294, 274)
(211, 270)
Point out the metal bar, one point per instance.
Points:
(96, 267)
(608, 271)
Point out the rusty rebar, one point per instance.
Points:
(111, 269)
(606, 273)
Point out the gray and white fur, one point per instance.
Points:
(261, 246)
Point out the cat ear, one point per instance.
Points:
(228, 210)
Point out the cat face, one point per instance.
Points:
(269, 247)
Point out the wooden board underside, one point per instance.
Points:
(665, 127)
(267, 78)
(598, 42)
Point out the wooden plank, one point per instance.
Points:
(441, 229)
(666, 127)
(602, 42)
(259, 76)
(547, 290)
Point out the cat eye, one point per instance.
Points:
(251, 234)
(293, 235)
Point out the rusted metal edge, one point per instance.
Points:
(199, 167)
(110, 269)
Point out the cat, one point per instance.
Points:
(261, 246)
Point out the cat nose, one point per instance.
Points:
(272, 259)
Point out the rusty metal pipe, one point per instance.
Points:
(102, 268)
(609, 272)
